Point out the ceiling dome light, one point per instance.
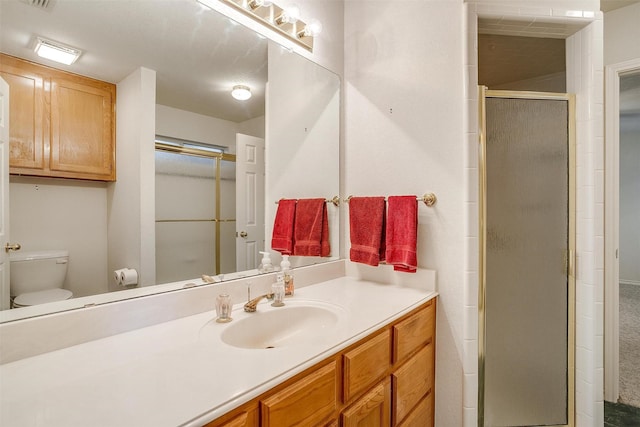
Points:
(241, 92)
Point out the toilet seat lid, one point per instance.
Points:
(41, 297)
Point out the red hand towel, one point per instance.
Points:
(402, 233)
(311, 228)
(282, 237)
(366, 229)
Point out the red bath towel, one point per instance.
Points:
(282, 237)
(311, 228)
(366, 229)
(402, 233)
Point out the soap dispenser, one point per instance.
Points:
(278, 290)
(285, 268)
(265, 264)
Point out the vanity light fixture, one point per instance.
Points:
(283, 21)
(254, 4)
(289, 15)
(241, 92)
(312, 29)
(56, 51)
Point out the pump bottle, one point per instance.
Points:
(285, 268)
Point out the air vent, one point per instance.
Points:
(40, 4)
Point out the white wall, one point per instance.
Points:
(131, 199)
(68, 214)
(403, 135)
(621, 34)
(195, 127)
(302, 143)
(254, 127)
(629, 199)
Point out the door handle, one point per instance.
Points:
(243, 234)
(12, 247)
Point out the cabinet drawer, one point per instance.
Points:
(422, 415)
(411, 382)
(370, 410)
(413, 332)
(247, 417)
(366, 364)
(310, 400)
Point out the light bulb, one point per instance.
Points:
(290, 15)
(254, 4)
(312, 29)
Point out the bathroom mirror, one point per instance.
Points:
(197, 55)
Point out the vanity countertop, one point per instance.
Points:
(180, 372)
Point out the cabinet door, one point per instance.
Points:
(366, 364)
(371, 410)
(422, 415)
(308, 401)
(27, 123)
(413, 332)
(82, 140)
(246, 418)
(412, 382)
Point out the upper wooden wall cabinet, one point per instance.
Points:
(60, 124)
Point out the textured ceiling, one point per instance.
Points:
(198, 54)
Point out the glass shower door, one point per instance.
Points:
(527, 241)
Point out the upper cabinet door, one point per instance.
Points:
(28, 122)
(62, 125)
(82, 140)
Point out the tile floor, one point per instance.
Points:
(621, 415)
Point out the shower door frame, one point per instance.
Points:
(217, 220)
(483, 93)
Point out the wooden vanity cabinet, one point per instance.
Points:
(372, 409)
(245, 416)
(308, 401)
(61, 125)
(385, 379)
(414, 368)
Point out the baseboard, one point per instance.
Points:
(629, 282)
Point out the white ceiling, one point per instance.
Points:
(609, 5)
(198, 54)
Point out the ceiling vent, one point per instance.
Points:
(40, 4)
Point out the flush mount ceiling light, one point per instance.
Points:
(56, 51)
(241, 92)
(284, 21)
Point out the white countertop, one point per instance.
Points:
(180, 372)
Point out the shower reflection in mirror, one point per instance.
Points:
(195, 209)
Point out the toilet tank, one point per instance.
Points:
(37, 270)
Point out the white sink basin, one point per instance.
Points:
(297, 323)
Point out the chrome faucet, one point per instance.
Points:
(250, 306)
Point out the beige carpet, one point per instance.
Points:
(630, 345)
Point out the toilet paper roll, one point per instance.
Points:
(129, 277)
(117, 275)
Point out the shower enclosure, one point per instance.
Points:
(195, 211)
(527, 220)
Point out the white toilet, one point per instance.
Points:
(37, 277)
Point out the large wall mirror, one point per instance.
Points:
(172, 214)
